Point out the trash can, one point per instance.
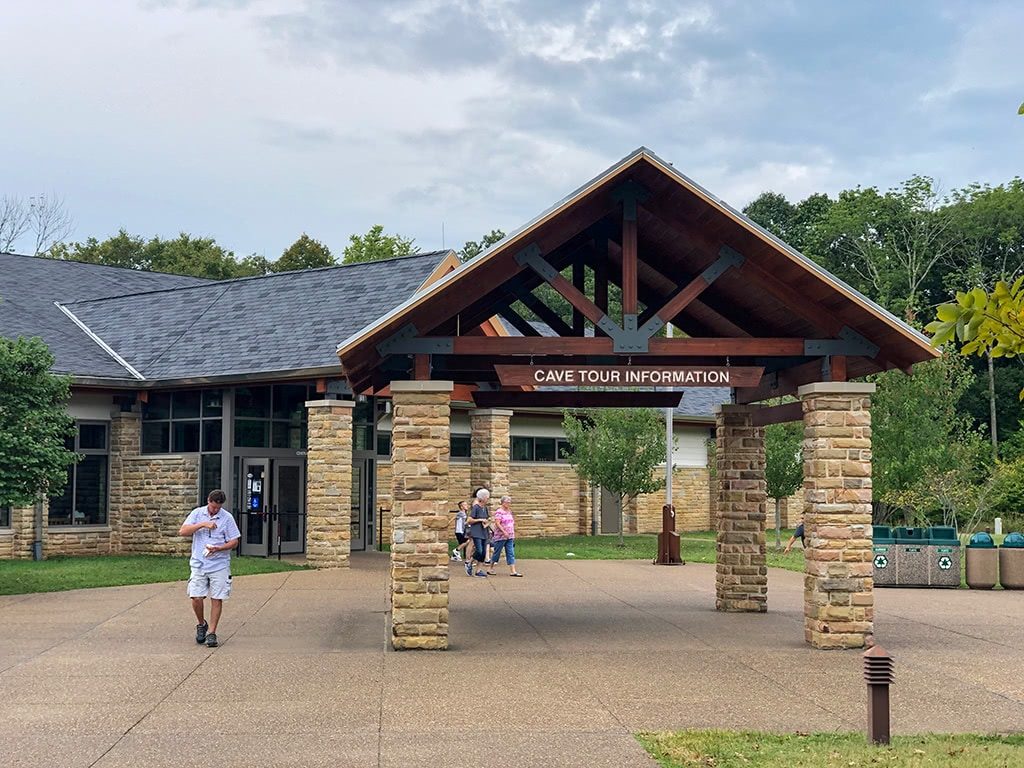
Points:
(1011, 561)
(943, 557)
(912, 548)
(982, 562)
(885, 556)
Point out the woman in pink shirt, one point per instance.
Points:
(504, 529)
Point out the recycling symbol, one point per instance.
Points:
(881, 561)
(945, 562)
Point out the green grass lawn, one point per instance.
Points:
(732, 749)
(61, 573)
(695, 547)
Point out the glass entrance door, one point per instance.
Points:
(363, 496)
(288, 519)
(254, 516)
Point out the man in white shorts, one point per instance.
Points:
(214, 534)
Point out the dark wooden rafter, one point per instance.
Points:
(574, 345)
(683, 297)
(532, 257)
(579, 282)
(545, 313)
(576, 399)
(784, 382)
(655, 288)
(777, 414)
(629, 194)
(517, 321)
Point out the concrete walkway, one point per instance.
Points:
(568, 663)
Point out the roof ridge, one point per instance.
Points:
(91, 265)
(236, 280)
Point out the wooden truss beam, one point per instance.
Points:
(777, 414)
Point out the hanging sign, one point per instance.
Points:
(628, 375)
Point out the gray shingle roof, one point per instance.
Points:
(278, 322)
(30, 285)
(697, 401)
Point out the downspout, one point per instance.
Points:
(37, 531)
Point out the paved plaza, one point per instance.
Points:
(556, 669)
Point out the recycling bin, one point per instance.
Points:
(943, 557)
(1011, 561)
(912, 548)
(982, 562)
(885, 556)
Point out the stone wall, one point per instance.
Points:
(420, 447)
(16, 542)
(154, 496)
(839, 575)
(329, 483)
(741, 573)
(690, 489)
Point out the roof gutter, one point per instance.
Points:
(291, 374)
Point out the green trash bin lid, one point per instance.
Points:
(910, 535)
(1014, 540)
(981, 540)
(882, 534)
(944, 535)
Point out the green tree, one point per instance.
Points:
(784, 466)
(887, 245)
(375, 245)
(617, 449)
(304, 253)
(791, 223)
(34, 423)
(472, 248)
(184, 255)
(919, 436)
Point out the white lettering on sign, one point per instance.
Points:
(639, 377)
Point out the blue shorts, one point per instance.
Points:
(509, 548)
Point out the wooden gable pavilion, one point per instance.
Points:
(741, 296)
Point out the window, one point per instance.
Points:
(384, 445)
(271, 417)
(84, 500)
(540, 449)
(187, 421)
(5, 517)
(461, 447)
(182, 422)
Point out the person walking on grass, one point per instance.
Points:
(478, 518)
(460, 532)
(504, 529)
(214, 534)
(797, 534)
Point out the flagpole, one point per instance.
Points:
(668, 440)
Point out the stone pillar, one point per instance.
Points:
(329, 483)
(125, 442)
(420, 448)
(838, 580)
(491, 449)
(741, 575)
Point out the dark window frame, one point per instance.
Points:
(5, 515)
(73, 478)
(561, 444)
(270, 421)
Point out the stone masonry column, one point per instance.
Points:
(420, 448)
(491, 448)
(838, 578)
(329, 483)
(741, 575)
(125, 442)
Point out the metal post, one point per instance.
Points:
(878, 672)
(668, 443)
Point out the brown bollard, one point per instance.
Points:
(668, 539)
(878, 672)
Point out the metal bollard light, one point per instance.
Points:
(878, 672)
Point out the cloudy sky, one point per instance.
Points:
(252, 122)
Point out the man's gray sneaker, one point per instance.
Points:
(211, 640)
(201, 633)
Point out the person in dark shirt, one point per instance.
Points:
(479, 521)
(797, 534)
